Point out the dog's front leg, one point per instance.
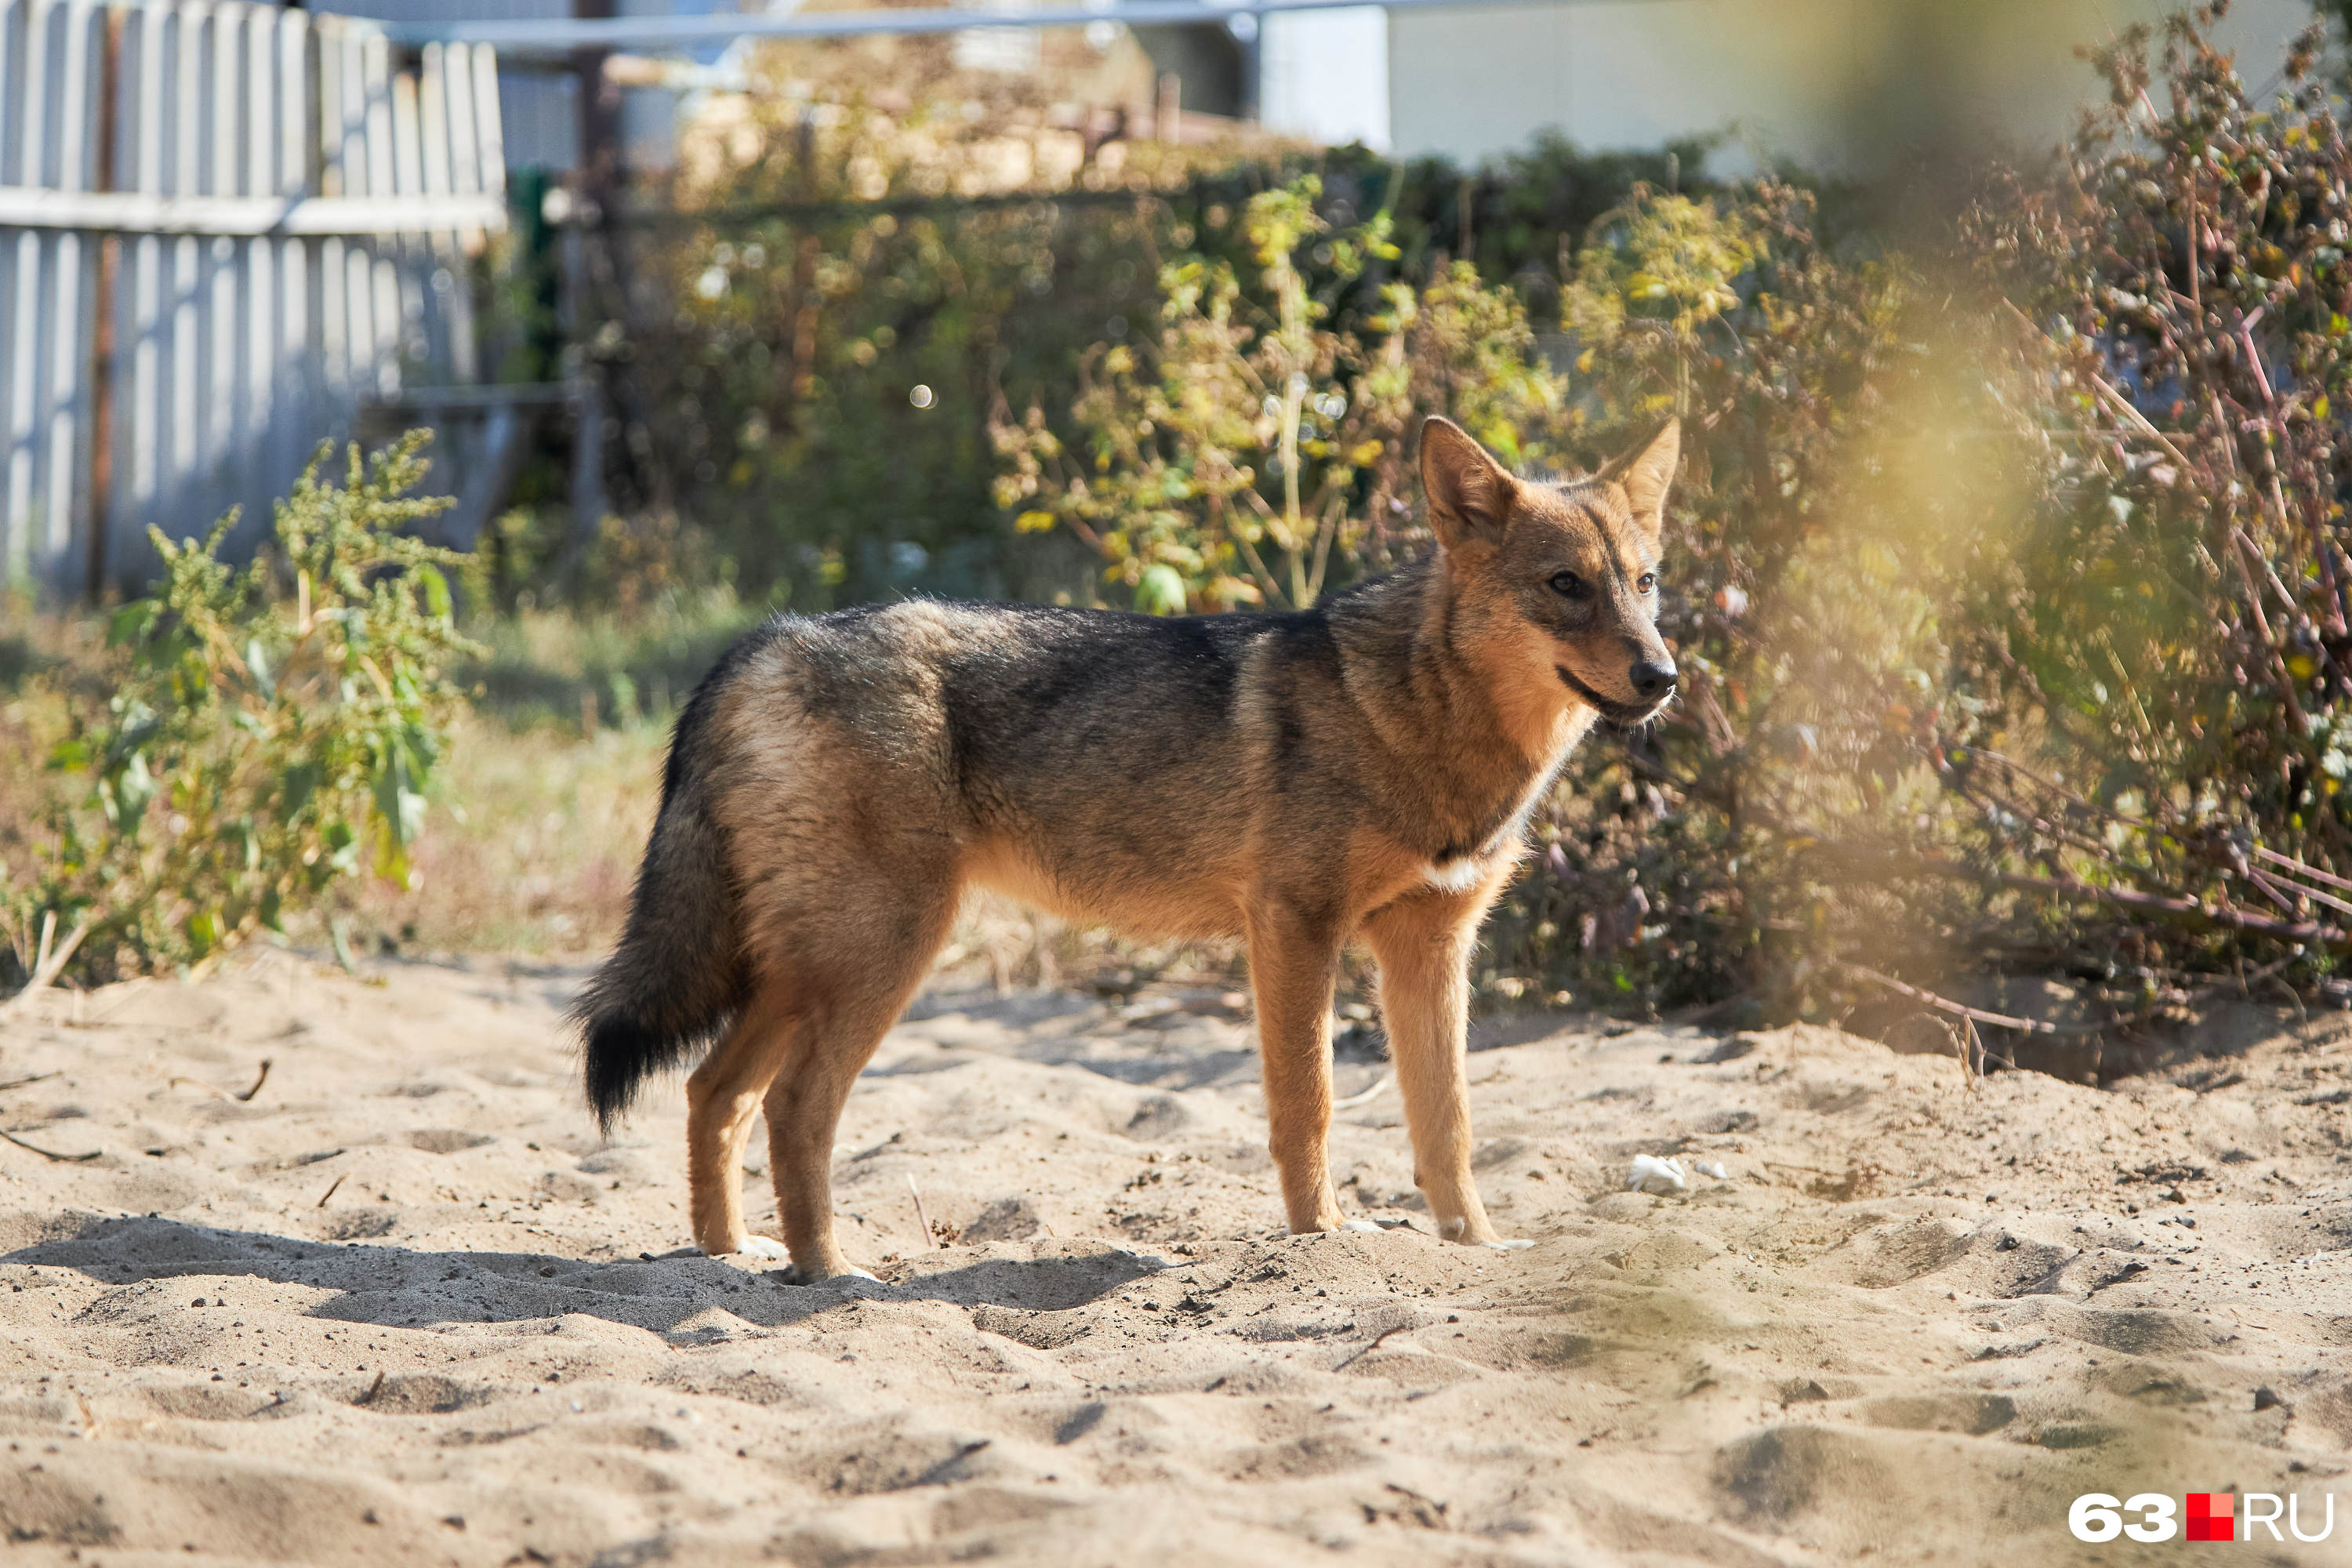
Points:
(1292, 963)
(1423, 943)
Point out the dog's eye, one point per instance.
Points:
(1649, 583)
(1567, 585)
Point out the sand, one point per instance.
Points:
(402, 1305)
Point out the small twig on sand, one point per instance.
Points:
(219, 1094)
(1384, 1333)
(48, 966)
(52, 1154)
(331, 1191)
(373, 1389)
(931, 1242)
(1974, 1015)
(21, 1082)
(1365, 1097)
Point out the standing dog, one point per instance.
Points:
(1362, 769)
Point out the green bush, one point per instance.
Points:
(272, 730)
(810, 358)
(1256, 449)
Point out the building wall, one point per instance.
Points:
(1325, 75)
(1834, 84)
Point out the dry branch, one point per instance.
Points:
(1962, 1010)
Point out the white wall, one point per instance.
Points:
(1835, 84)
(1325, 74)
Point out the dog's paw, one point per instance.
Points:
(1506, 1246)
(765, 1247)
(797, 1275)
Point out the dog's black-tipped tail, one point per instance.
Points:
(676, 978)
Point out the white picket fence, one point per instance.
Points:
(225, 228)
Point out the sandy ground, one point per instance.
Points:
(402, 1306)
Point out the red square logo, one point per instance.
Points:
(2208, 1516)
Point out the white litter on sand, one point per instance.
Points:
(1649, 1168)
(1711, 1168)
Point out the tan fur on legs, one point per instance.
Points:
(1423, 943)
(1292, 968)
(848, 1001)
(721, 1098)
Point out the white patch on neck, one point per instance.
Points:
(1461, 876)
(1458, 878)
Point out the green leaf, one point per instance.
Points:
(1161, 590)
(397, 799)
(132, 623)
(296, 786)
(127, 791)
(205, 932)
(342, 843)
(437, 592)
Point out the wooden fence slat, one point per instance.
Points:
(332, 316)
(409, 258)
(457, 78)
(384, 270)
(139, 438)
(257, 370)
(22, 264)
(184, 26)
(359, 343)
(15, 19)
(220, 414)
(67, 512)
(492, 145)
(292, 343)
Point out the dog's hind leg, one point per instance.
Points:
(721, 1098)
(1423, 943)
(851, 982)
(1292, 963)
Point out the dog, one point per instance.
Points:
(1361, 770)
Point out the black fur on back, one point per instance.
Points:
(677, 978)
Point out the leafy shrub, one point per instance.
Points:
(868, 276)
(1256, 448)
(272, 730)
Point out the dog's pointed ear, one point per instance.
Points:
(1647, 472)
(1469, 492)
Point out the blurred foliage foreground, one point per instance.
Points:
(2009, 564)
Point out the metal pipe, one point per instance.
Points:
(558, 36)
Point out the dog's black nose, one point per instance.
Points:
(1653, 678)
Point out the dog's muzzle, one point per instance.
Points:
(1655, 695)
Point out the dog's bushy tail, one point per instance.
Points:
(677, 978)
